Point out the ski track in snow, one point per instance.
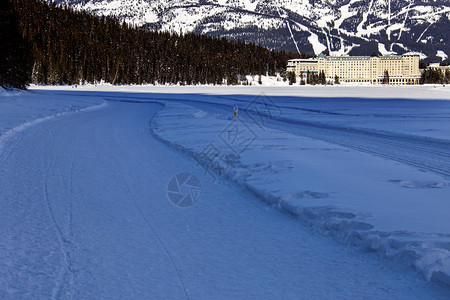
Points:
(18, 139)
(11, 133)
(374, 142)
(70, 188)
(424, 146)
(66, 266)
(371, 142)
(147, 222)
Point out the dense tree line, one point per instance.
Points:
(435, 76)
(69, 47)
(15, 54)
(312, 78)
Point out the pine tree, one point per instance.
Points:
(386, 77)
(302, 81)
(336, 79)
(322, 78)
(292, 78)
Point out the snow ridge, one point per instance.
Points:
(429, 253)
(16, 132)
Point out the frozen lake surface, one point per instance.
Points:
(354, 183)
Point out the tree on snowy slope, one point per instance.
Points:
(15, 58)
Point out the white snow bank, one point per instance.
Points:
(20, 128)
(8, 93)
(272, 87)
(28, 109)
(356, 198)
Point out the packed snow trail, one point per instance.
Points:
(425, 153)
(85, 215)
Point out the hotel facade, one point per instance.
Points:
(402, 69)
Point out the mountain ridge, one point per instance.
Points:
(355, 27)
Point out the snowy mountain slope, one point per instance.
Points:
(341, 26)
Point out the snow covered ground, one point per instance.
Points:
(272, 86)
(84, 175)
(20, 110)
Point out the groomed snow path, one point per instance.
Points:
(84, 214)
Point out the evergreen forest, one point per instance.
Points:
(49, 44)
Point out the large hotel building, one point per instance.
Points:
(402, 69)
